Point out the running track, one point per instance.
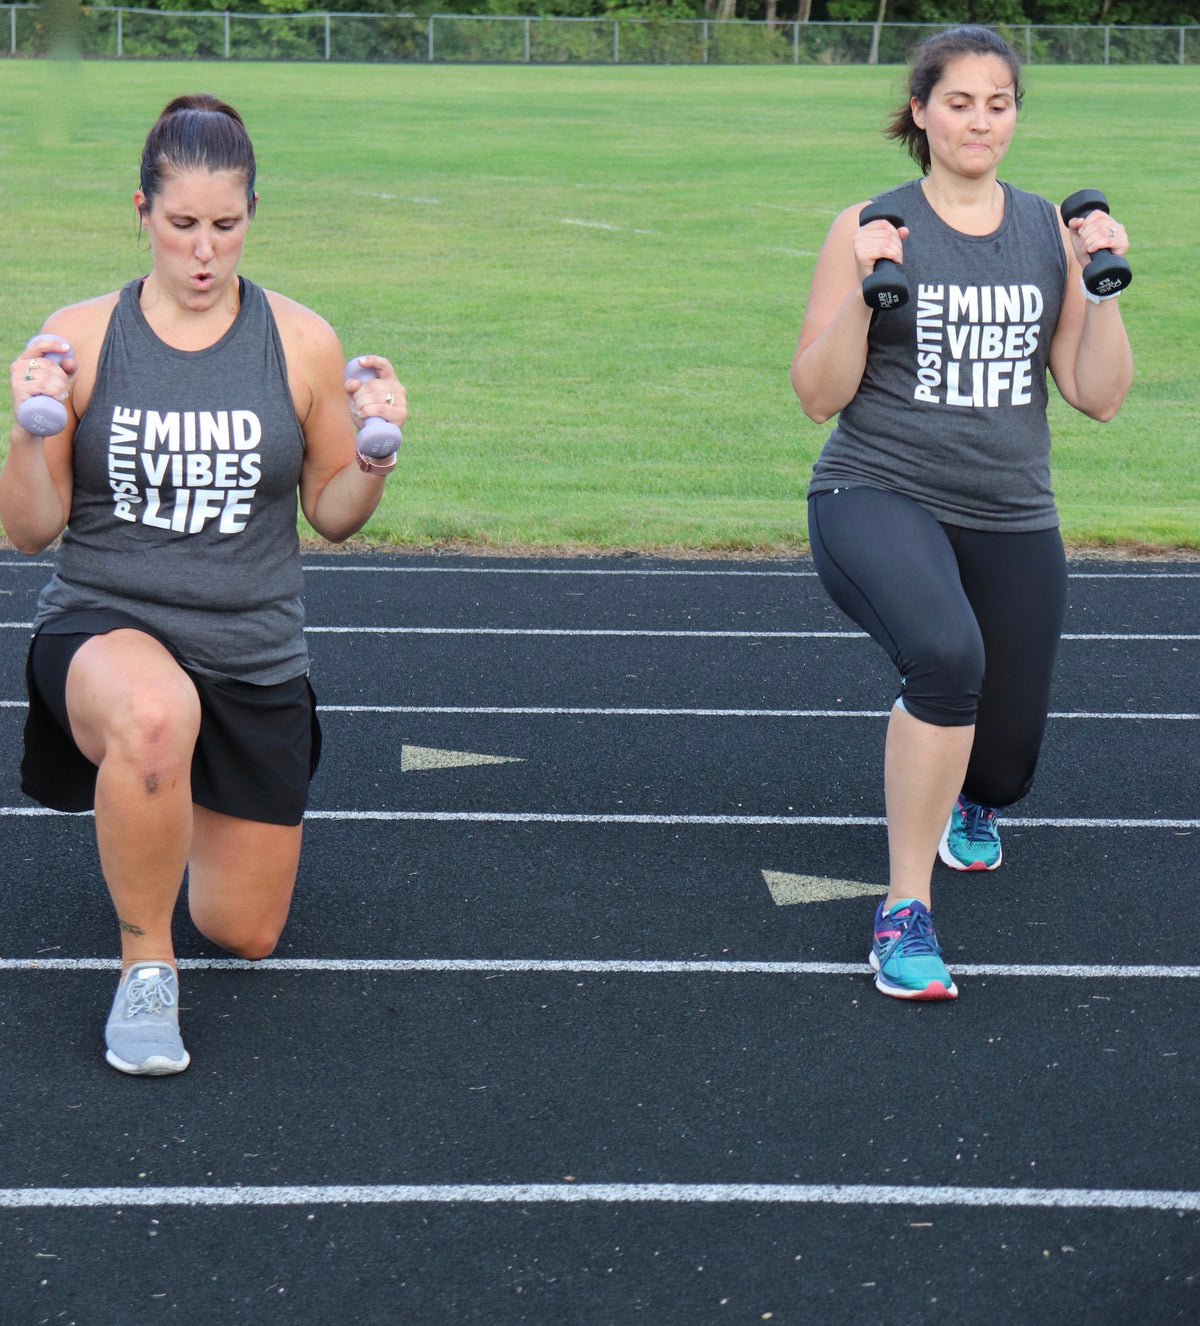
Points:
(557, 1037)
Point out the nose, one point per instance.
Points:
(204, 246)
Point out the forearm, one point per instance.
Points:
(827, 372)
(1103, 362)
(31, 507)
(346, 503)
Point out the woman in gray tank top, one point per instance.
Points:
(168, 673)
(931, 517)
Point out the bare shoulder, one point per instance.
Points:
(305, 333)
(312, 351)
(83, 324)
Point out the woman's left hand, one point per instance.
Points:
(1095, 231)
(380, 397)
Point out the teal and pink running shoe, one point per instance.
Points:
(972, 837)
(906, 957)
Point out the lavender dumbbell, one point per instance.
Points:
(43, 416)
(377, 437)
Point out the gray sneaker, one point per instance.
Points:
(143, 1027)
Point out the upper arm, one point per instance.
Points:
(316, 362)
(834, 277)
(1064, 347)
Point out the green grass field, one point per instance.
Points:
(592, 279)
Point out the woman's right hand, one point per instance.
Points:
(876, 240)
(32, 374)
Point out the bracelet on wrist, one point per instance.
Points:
(1097, 299)
(376, 464)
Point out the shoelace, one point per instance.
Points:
(915, 933)
(149, 994)
(977, 821)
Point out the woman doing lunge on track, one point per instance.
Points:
(168, 674)
(931, 516)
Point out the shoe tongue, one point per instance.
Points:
(904, 905)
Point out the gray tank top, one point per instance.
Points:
(186, 467)
(951, 410)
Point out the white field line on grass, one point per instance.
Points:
(1013, 823)
(612, 967)
(756, 1194)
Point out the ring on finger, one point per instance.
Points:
(33, 363)
(1112, 232)
(390, 399)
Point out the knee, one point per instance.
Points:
(249, 939)
(943, 677)
(155, 726)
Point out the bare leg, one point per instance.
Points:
(240, 880)
(924, 766)
(135, 714)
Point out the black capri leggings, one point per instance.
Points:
(971, 619)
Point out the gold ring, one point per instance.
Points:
(33, 363)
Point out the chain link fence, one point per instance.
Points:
(124, 33)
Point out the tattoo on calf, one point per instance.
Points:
(130, 929)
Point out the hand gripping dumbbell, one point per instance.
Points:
(378, 439)
(1106, 273)
(43, 416)
(887, 286)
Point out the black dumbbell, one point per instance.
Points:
(887, 286)
(1106, 272)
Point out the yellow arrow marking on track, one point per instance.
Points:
(415, 758)
(789, 889)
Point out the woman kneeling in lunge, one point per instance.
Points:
(168, 676)
(931, 516)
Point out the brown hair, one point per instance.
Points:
(197, 132)
(926, 66)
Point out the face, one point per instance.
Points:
(970, 115)
(197, 226)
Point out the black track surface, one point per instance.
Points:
(467, 1076)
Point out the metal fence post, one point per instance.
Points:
(1028, 43)
(616, 41)
(120, 35)
(327, 34)
(227, 34)
(705, 41)
(796, 42)
(1181, 59)
(1107, 30)
(526, 41)
(430, 38)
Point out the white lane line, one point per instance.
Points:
(758, 1194)
(624, 632)
(584, 633)
(1012, 823)
(577, 711)
(615, 967)
(552, 711)
(647, 572)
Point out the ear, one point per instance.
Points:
(917, 110)
(140, 205)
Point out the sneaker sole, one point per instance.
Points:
(947, 857)
(935, 990)
(158, 1065)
